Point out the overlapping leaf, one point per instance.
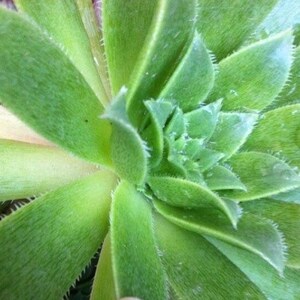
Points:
(254, 234)
(191, 82)
(263, 175)
(29, 170)
(226, 24)
(42, 242)
(251, 78)
(272, 285)
(284, 15)
(231, 132)
(286, 215)
(183, 193)
(279, 131)
(196, 270)
(103, 284)
(137, 269)
(44, 89)
(61, 19)
(171, 28)
(291, 92)
(128, 151)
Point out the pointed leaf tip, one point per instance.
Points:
(128, 150)
(183, 193)
(251, 78)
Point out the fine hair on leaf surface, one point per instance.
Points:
(149, 149)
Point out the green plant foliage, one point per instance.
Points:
(61, 19)
(190, 83)
(65, 111)
(78, 213)
(28, 170)
(261, 237)
(286, 215)
(181, 124)
(259, 69)
(136, 264)
(226, 24)
(193, 266)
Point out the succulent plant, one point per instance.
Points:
(171, 137)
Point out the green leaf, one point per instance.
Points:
(291, 92)
(159, 112)
(42, 243)
(272, 285)
(125, 29)
(183, 193)
(221, 178)
(286, 215)
(232, 132)
(202, 121)
(196, 270)
(93, 26)
(177, 126)
(103, 284)
(226, 24)
(136, 264)
(292, 196)
(263, 175)
(61, 19)
(251, 78)
(285, 15)
(207, 158)
(171, 28)
(193, 78)
(28, 170)
(254, 234)
(44, 89)
(279, 131)
(128, 150)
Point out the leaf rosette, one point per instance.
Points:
(177, 146)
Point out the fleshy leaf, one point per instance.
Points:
(226, 24)
(292, 196)
(231, 132)
(193, 78)
(128, 150)
(221, 178)
(263, 175)
(62, 21)
(171, 28)
(286, 216)
(44, 89)
(279, 131)
(208, 158)
(137, 268)
(12, 128)
(103, 284)
(202, 121)
(272, 285)
(285, 15)
(183, 193)
(251, 78)
(125, 28)
(254, 234)
(89, 11)
(177, 125)
(196, 270)
(29, 170)
(159, 112)
(42, 242)
(291, 92)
